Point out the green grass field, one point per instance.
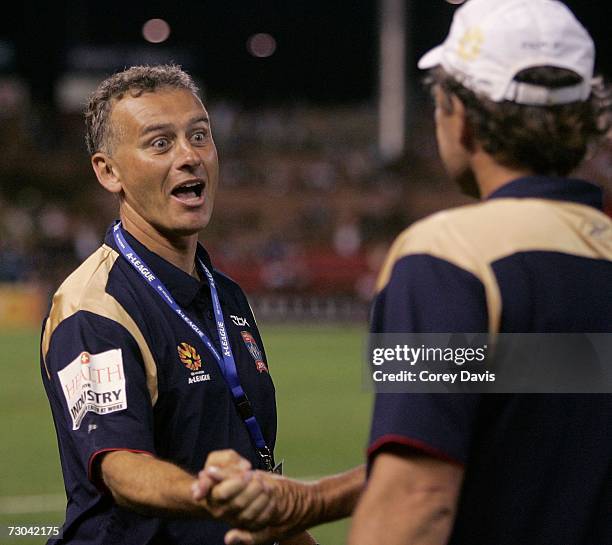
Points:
(323, 418)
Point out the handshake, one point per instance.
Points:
(263, 507)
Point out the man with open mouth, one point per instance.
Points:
(144, 372)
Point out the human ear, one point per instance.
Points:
(442, 100)
(106, 172)
(464, 127)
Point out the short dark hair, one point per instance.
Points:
(549, 140)
(135, 80)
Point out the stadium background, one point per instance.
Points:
(307, 207)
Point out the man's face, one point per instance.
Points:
(166, 160)
(450, 134)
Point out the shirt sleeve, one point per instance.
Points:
(426, 294)
(96, 384)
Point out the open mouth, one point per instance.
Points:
(188, 191)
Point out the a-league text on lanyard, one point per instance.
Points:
(225, 360)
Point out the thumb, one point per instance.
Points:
(201, 486)
(244, 537)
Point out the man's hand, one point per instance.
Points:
(265, 507)
(247, 499)
(267, 535)
(238, 495)
(294, 505)
(220, 464)
(233, 491)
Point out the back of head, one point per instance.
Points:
(524, 72)
(135, 81)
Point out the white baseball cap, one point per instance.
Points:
(490, 41)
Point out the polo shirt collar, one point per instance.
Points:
(558, 189)
(182, 286)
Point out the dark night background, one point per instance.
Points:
(297, 132)
(326, 50)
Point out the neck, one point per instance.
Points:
(490, 175)
(178, 250)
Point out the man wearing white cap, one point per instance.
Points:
(516, 109)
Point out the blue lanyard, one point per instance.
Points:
(226, 360)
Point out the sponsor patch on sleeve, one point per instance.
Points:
(94, 382)
(254, 350)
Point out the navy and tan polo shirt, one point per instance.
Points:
(123, 372)
(536, 256)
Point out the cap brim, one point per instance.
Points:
(432, 58)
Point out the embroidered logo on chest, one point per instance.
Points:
(254, 350)
(192, 360)
(189, 357)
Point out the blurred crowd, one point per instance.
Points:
(305, 205)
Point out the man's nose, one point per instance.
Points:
(187, 154)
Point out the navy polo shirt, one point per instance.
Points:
(536, 256)
(123, 372)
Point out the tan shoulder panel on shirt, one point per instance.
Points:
(475, 236)
(85, 289)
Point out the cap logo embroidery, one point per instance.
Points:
(470, 44)
(189, 357)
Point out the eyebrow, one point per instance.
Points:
(164, 126)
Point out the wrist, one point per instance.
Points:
(335, 496)
(298, 502)
(318, 502)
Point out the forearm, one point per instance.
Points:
(150, 486)
(335, 497)
(408, 500)
(424, 519)
(302, 505)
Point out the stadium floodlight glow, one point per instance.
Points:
(261, 45)
(156, 31)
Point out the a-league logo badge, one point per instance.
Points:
(189, 357)
(254, 351)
